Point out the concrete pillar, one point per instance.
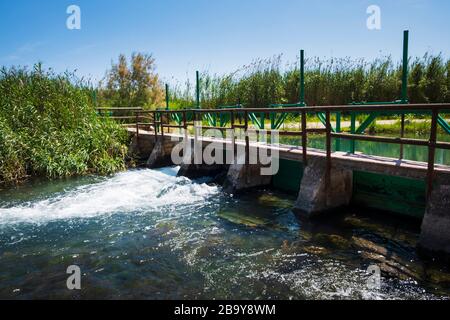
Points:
(315, 196)
(435, 234)
(241, 177)
(161, 153)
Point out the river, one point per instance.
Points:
(148, 234)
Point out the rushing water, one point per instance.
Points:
(150, 234)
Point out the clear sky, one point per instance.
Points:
(217, 35)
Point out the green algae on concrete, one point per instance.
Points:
(396, 194)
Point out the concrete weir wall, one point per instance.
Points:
(435, 233)
(319, 193)
(241, 177)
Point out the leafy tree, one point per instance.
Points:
(447, 71)
(133, 84)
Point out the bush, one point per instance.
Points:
(49, 127)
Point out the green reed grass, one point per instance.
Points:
(49, 127)
(328, 82)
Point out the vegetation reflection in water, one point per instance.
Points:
(149, 234)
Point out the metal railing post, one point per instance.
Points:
(247, 146)
(161, 118)
(155, 124)
(405, 67)
(233, 136)
(186, 135)
(197, 89)
(302, 78)
(137, 129)
(352, 130)
(328, 143)
(197, 153)
(431, 152)
(402, 135)
(338, 130)
(304, 139)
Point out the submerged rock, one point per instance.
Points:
(388, 261)
(316, 250)
(271, 200)
(385, 230)
(162, 228)
(438, 276)
(237, 218)
(333, 240)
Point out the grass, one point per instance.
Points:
(412, 128)
(49, 128)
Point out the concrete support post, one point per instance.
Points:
(315, 196)
(241, 177)
(435, 234)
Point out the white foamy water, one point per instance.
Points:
(125, 192)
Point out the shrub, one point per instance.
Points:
(49, 127)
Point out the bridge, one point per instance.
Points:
(325, 179)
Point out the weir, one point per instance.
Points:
(325, 179)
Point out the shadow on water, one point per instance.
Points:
(149, 234)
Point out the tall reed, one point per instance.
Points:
(49, 127)
(328, 82)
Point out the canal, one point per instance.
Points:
(149, 234)
(415, 153)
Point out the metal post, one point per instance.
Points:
(197, 153)
(137, 129)
(405, 67)
(194, 116)
(198, 89)
(302, 78)
(247, 147)
(233, 136)
(155, 125)
(328, 168)
(431, 152)
(161, 118)
(352, 130)
(186, 136)
(402, 134)
(167, 97)
(338, 130)
(304, 139)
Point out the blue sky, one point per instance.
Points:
(216, 35)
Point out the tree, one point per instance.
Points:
(133, 85)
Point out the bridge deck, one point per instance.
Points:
(356, 161)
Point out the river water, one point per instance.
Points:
(148, 234)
